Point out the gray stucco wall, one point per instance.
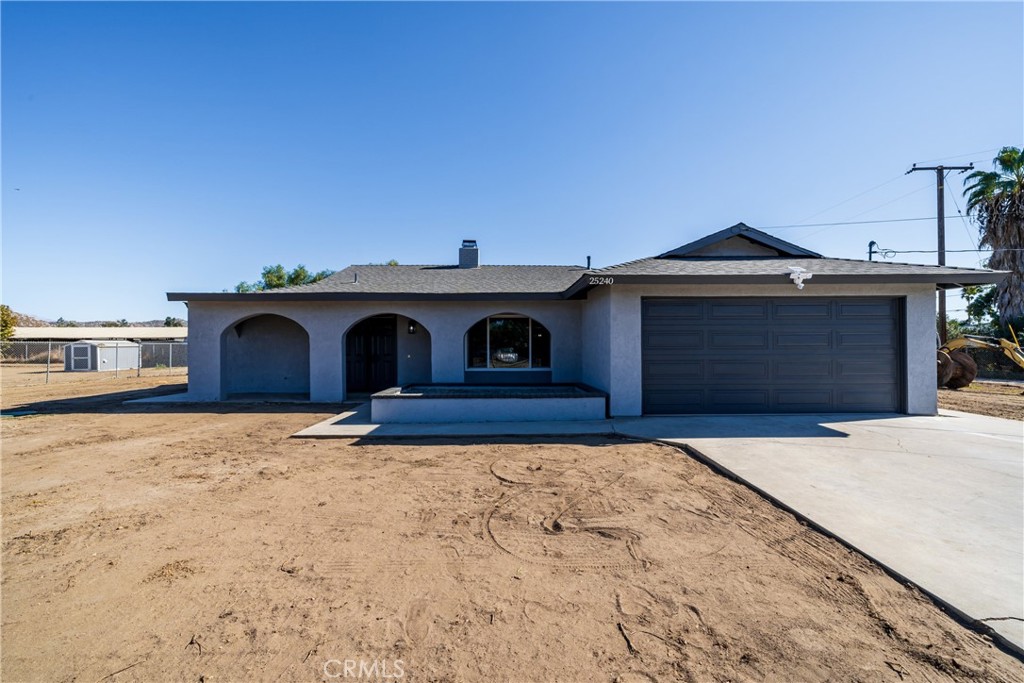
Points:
(596, 341)
(413, 353)
(623, 314)
(267, 355)
(327, 323)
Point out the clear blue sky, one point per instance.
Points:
(159, 147)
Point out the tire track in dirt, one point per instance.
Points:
(539, 524)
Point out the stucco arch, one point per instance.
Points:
(385, 349)
(266, 355)
(400, 313)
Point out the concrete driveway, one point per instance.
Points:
(939, 500)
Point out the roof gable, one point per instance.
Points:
(739, 241)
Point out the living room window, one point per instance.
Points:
(508, 342)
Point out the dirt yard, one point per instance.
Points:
(986, 398)
(203, 544)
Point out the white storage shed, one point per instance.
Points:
(99, 355)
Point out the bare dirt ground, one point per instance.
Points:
(986, 398)
(202, 544)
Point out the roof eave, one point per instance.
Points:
(946, 281)
(268, 297)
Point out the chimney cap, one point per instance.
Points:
(469, 244)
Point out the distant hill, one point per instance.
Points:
(25, 320)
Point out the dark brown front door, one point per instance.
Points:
(371, 359)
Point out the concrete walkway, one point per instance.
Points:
(938, 500)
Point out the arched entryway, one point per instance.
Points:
(265, 356)
(384, 351)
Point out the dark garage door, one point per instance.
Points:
(784, 355)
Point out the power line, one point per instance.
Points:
(829, 225)
(861, 194)
(961, 156)
(893, 201)
(936, 251)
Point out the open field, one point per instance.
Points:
(134, 536)
(20, 375)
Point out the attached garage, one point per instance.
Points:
(772, 355)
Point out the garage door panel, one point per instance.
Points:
(868, 339)
(675, 310)
(726, 369)
(673, 401)
(805, 341)
(880, 369)
(670, 372)
(772, 355)
(737, 310)
(674, 340)
(802, 310)
(803, 398)
(738, 339)
(867, 398)
(749, 399)
(865, 309)
(800, 370)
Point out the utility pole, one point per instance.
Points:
(940, 186)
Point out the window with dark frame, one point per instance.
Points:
(508, 342)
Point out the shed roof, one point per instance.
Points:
(106, 343)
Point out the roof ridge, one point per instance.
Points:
(623, 264)
(455, 266)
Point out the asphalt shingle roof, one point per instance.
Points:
(444, 280)
(726, 267)
(556, 282)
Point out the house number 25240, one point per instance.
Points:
(602, 280)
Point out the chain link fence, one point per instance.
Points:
(48, 356)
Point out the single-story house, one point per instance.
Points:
(737, 322)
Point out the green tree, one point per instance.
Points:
(275, 277)
(982, 316)
(173, 322)
(7, 322)
(995, 200)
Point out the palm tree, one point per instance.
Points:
(995, 200)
